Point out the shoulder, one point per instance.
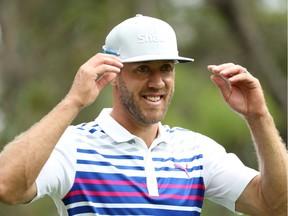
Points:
(86, 127)
(81, 131)
(183, 135)
(74, 136)
(188, 142)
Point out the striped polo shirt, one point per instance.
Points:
(102, 169)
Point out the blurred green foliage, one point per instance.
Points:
(43, 43)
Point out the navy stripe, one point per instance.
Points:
(109, 176)
(194, 180)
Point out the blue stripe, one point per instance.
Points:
(196, 157)
(172, 130)
(134, 188)
(182, 181)
(92, 130)
(132, 200)
(177, 169)
(109, 176)
(90, 151)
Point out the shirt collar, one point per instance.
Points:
(118, 133)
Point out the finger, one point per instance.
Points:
(218, 68)
(105, 68)
(100, 64)
(108, 59)
(104, 55)
(216, 72)
(228, 70)
(233, 70)
(244, 79)
(105, 79)
(227, 83)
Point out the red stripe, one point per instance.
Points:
(132, 194)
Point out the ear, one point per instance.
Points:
(114, 82)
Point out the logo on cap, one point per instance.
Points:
(142, 38)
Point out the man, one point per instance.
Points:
(127, 163)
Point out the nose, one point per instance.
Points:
(156, 80)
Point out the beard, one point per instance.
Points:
(144, 115)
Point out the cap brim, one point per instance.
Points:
(157, 57)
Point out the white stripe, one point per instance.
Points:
(110, 170)
(179, 174)
(132, 205)
(117, 162)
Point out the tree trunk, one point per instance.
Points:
(262, 63)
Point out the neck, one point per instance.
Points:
(147, 133)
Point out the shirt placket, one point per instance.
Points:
(151, 178)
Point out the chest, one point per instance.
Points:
(117, 181)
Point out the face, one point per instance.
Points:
(146, 89)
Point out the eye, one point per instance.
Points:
(167, 68)
(143, 69)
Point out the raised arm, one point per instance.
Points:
(266, 194)
(23, 158)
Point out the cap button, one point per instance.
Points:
(139, 15)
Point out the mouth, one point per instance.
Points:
(153, 98)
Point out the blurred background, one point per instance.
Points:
(43, 43)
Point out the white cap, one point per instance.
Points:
(143, 38)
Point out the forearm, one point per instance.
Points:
(23, 158)
(272, 157)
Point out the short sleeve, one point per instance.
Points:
(225, 176)
(56, 177)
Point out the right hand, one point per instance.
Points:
(86, 86)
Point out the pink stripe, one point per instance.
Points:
(108, 182)
(117, 182)
(99, 193)
(132, 194)
(174, 196)
(194, 186)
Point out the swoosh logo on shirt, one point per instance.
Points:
(179, 166)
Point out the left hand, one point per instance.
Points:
(246, 95)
